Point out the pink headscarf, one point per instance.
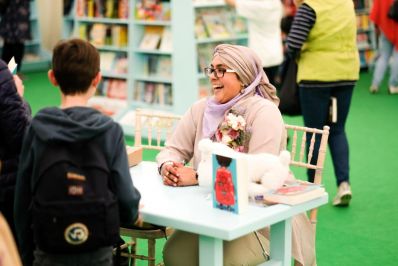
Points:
(250, 72)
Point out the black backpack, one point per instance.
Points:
(72, 200)
(393, 11)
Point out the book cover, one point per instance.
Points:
(215, 25)
(294, 193)
(229, 175)
(150, 41)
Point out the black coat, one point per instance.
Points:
(14, 119)
(15, 23)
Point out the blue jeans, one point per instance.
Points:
(386, 51)
(315, 108)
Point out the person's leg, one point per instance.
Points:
(337, 141)
(393, 80)
(314, 102)
(385, 51)
(19, 50)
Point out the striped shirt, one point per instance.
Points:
(303, 22)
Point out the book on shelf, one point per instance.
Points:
(151, 38)
(98, 34)
(153, 10)
(107, 61)
(102, 8)
(229, 177)
(158, 65)
(200, 29)
(166, 42)
(153, 93)
(215, 25)
(294, 193)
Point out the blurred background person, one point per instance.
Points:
(15, 30)
(265, 38)
(323, 39)
(387, 30)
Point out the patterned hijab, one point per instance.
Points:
(250, 72)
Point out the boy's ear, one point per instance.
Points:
(97, 79)
(52, 78)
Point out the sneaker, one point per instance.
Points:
(393, 89)
(373, 89)
(343, 196)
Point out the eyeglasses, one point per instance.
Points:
(219, 72)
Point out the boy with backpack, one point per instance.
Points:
(73, 186)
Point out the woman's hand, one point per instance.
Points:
(176, 174)
(169, 173)
(186, 176)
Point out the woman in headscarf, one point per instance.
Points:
(240, 87)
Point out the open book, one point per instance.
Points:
(294, 193)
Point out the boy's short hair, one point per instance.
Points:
(75, 64)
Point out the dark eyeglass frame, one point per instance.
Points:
(219, 71)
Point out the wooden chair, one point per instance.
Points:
(297, 147)
(155, 128)
(8, 250)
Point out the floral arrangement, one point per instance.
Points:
(232, 131)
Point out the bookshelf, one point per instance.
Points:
(196, 27)
(366, 37)
(35, 58)
(107, 25)
(161, 49)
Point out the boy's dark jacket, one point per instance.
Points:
(71, 125)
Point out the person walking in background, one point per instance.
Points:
(15, 30)
(388, 46)
(15, 116)
(265, 38)
(323, 39)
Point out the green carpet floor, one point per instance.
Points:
(365, 233)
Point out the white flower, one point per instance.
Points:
(235, 121)
(241, 122)
(226, 139)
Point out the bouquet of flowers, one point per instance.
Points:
(232, 132)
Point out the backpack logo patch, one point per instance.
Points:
(76, 234)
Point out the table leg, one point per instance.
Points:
(210, 251)
(281, 242)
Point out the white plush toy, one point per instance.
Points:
(266, 171)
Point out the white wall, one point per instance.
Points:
(50, 18)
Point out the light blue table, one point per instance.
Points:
(190, 209)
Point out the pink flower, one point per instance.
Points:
(232, 132)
